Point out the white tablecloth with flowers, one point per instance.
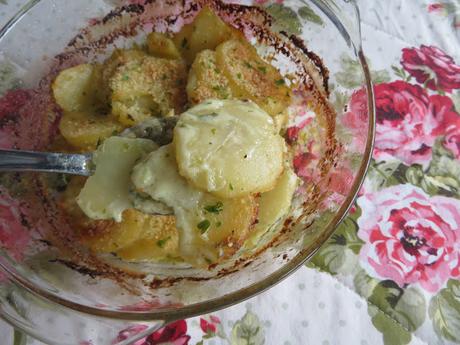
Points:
(391, 273)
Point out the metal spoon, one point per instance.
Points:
(159, 130)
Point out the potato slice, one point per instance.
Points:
(136, 234)
(84, 130)
(207, 31)
(106, 193)
(210, 228)
(251, 77)
(205, 80)
(229, 148)
(148, 87)
(74, 89)
(160, 45)
(274, 205)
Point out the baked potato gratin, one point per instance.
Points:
(220, 182)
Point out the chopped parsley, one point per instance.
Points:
(125, 77)
(230, 186)
(239, 76)
(216, 208)
(162, 243)
(213, 131)
(203, 226)
(219, 224)
(263, 69)
(247, 64)
(279, 82)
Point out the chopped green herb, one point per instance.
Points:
(279, 82)
(247, 64)
(218, 224)
(263, 69)
(162, 243)
(239, 76)
(217, 208)
(230, 186)
(213, 131)
(203, 226)
(184, 43)
(125, 78)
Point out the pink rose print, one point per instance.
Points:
(174, 334)
(436, 7)
(452, 139)
(356, 119)
(408, 121)
(432, 66)
(209, 324)
(410, 237)
(14, 237)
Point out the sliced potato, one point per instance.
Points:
(210, 228)
(274, 205)
(119, 58)
(158, 232)
(84, 130)
(74, 89)
(205, 80)
(146, 88)
(160, 45)
(229, 148)
(207, 31)
(106, 193)
(251, 77)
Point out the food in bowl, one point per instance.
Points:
(219, 183)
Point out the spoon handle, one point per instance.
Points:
(15, 160)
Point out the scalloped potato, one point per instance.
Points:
(219, 186)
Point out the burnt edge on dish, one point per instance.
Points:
(254, 19)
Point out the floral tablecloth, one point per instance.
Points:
(391, 273)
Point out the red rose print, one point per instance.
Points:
(410, 237)
(408, 121)
(209, 324)
(174, 334)
(432, 66)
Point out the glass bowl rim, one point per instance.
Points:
(212, 305)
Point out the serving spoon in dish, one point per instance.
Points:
(159, 130)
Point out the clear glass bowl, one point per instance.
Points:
(42, 283)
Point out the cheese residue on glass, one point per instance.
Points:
(224, 177)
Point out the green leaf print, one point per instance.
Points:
(248, 331)
(8, 78)
(444, 171)
(406, 306)
(393, 333)
(285, 19)
(364, 285)
(396, 312)
(339, 254)
(307, 13)
(351, 76)
(444, 311)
